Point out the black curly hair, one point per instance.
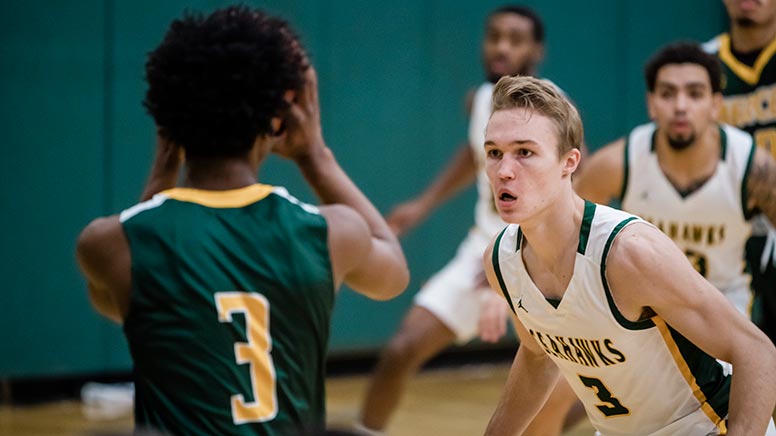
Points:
(215, 82)
(683, 52)
(525, 12)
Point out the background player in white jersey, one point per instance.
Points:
(447, 308)
(697, 180)
(604, 298)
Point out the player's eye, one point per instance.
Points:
(524, 152)
(493, 153)
(696, 95)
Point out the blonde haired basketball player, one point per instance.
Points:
(606, 299)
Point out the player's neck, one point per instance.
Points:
(551, 244)
(220, 174)
(554, 232)
(747, 39)
(696, 162)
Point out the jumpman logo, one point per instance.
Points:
(520, 304)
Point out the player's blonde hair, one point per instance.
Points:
(543, 97)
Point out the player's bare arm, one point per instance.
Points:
(382, 271)
(531, 379)
(762, 184)
(647, 272)
(600, 179)
(103, 255)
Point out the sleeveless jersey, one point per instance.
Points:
(709, 224)
(228, 324)
(634, 378)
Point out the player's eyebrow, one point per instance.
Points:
(515, 142)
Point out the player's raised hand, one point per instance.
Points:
(302, 133)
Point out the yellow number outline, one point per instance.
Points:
(255, 352)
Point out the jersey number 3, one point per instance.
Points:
(255, 353)
(611, 406)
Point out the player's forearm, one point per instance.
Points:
(752, 393)
(460, 173)
(530, 383)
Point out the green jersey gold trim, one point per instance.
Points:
(750, 75)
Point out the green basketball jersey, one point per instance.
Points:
(232, 293)
(749, 91)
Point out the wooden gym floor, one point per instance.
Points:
(451, 402)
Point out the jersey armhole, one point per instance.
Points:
(748, 214)
(625, 170)
(624, 322)
(497, 269)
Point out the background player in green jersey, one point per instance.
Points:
(225, 286)
(749, 67)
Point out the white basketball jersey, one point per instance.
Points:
(486, 218)
(708, 224)
(634, 378)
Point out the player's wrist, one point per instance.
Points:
(315, 155)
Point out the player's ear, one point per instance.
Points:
(571, 161)
(278, 123)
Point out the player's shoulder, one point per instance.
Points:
(713, 45)
(610, 218)
(633, 241)
(99, 237)
(346, 226)
(642, 132)
(605, 161)
(735, 135)
(610, 153)
(607, 223)
(286, 197)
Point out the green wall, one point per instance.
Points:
(77, 143)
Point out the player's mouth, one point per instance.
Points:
(680, 126)
(499, 66)
(505, 199)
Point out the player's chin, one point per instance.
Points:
(508, 215)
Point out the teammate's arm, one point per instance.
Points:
(103, 255)
(531, 379)
(762, 184)
(365, 254)
(600, 179)
(646, 270)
